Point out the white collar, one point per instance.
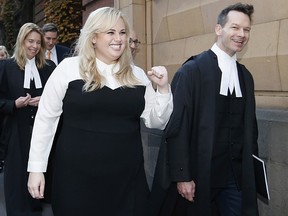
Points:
(107, 69)
(53, 50)
(31, 72)
(229, 78)
(107, 72)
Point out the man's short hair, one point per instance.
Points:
(240, 7)
(49, 27)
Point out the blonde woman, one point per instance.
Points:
(102, 96)
(21, 84)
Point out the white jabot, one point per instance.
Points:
(107, 72)
(229, 78)
(31, 72)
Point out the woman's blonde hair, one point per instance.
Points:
(100, 21)
(19, 49)
(3, 48)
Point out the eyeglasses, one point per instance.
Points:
(136, 42)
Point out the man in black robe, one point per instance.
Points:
(212, 133)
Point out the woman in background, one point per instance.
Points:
(22, 79)
(3, 52)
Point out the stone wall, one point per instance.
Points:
(171, 31)
(91, 5)
(273, 148)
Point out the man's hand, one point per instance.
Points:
(187, 190)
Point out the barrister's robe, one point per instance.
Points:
(185, 153)
(16, 135)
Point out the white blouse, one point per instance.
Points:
(157, 111)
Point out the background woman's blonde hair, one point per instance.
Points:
(4, 49)
(100, 21)
(19, 49)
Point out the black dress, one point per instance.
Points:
(100, 144)
(99, 167)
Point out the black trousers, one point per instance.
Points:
(226, 201)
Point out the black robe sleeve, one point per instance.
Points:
(178, 132)
(7, 106)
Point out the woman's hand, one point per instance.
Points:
(34, 101)
(159, 76)
(36, 185)
(22, 101)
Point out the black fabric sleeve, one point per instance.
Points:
(6, 106)
(179, 129)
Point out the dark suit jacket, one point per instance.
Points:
(185, 153)
(62, 52)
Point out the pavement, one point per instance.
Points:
(47, 211)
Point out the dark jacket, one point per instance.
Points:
(186, 150)
(16, 134)
(62, 52)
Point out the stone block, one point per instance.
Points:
(278, 141)
(169, 53)
(180, 6)
(282, 44)
(283, 54)
(192, 19)
(273, 148)
(197, 44)
(265, 72)
(271, 101)
(151, 140)
(262, 43)
(159, 28)
(269, 11)
(283, 71)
